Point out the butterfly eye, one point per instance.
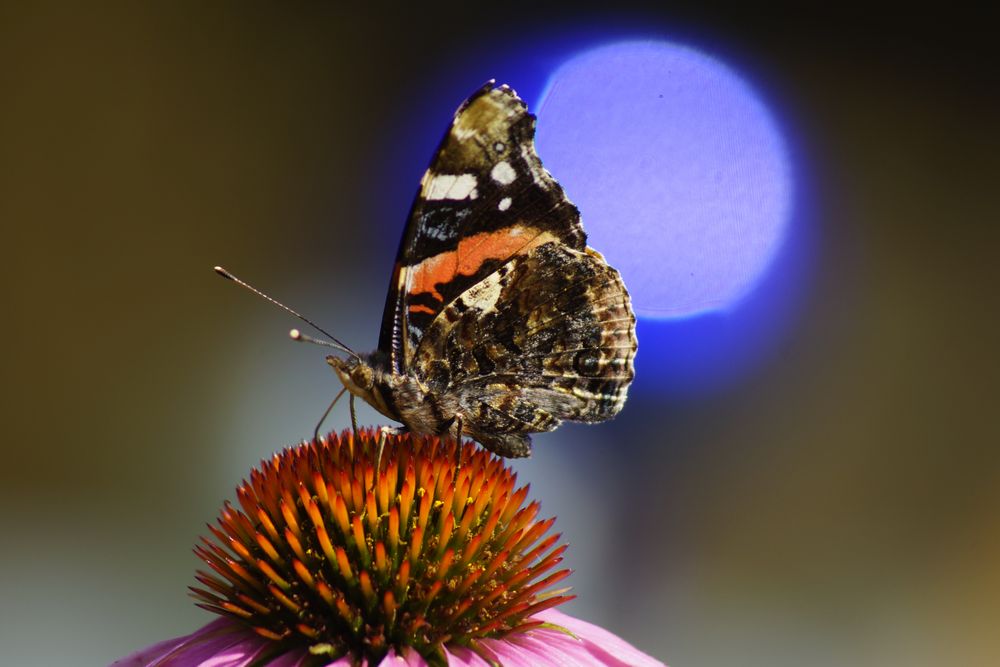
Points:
(363, 376)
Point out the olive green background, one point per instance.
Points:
(840, 505)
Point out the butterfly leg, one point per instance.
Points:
(457, 420)
(326, 414)
(458, 443)
(354, 418)
(383, 433)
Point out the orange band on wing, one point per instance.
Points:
(471, 254)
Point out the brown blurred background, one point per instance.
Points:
(839, 505)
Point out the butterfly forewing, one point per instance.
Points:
(484, 199)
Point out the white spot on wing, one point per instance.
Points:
(531, 160)
(485, 294)
(503, 173)
(504, 204)
(449, 186)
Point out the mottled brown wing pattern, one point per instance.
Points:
(548, 336)
(484, 199)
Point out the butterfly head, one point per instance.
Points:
(365, 378)
(356, 374)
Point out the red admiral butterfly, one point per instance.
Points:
(500, 321)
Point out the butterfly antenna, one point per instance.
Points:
(336, 344)
(300, 337)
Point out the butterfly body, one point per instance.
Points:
(399, 396)
(499, 321)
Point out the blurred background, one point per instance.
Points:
(808, 475)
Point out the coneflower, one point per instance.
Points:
(434, 560)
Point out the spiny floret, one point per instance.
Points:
(324, 552)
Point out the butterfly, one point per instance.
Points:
(499, 321)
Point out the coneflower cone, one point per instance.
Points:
(434, 559)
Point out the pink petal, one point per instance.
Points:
(410, 658)
(595, 646)
(297, 658)
(463, 657)
(221, 643)
(225, 643)
(546, 647)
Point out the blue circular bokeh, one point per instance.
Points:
(680, 172)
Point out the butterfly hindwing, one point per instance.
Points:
(548, 336)
(485, 199)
